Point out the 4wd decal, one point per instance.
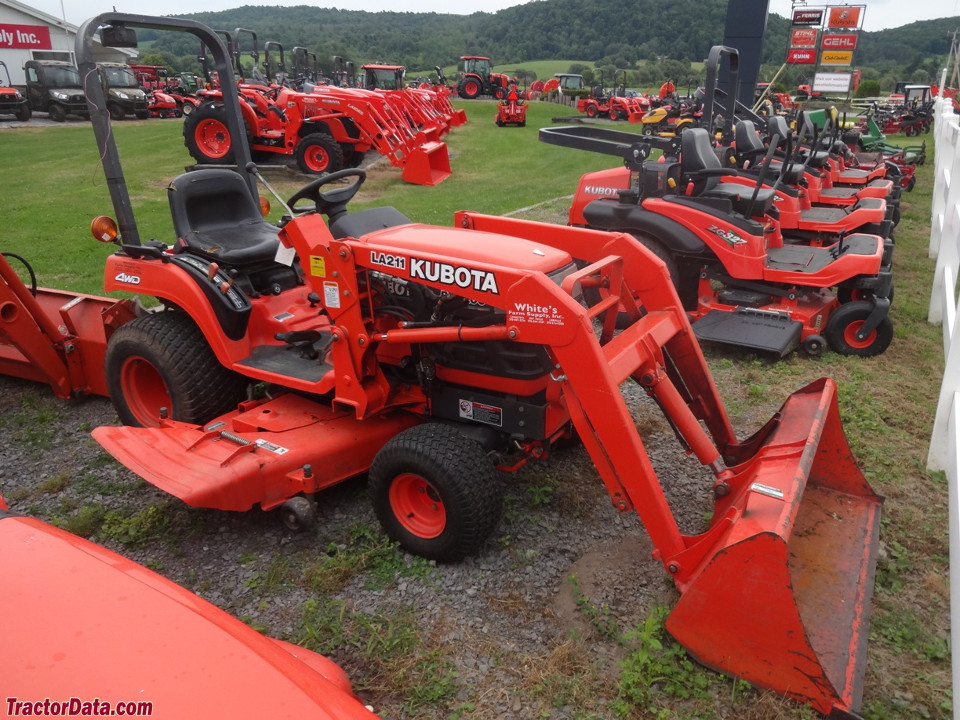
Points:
(123, 277)
(728, 236)
(459, 275)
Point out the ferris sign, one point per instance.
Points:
(808, 17)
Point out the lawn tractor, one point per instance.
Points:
(286, 359)
(744, 280)
(512, 110)
(477, 78)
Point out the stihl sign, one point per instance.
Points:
(801, 57)
(33, 37)
(807, 17)
(804, 37)
(839, 42)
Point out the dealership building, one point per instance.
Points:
(29, 34)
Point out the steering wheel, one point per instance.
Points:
(332, 202)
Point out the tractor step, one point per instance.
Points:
(754, 329)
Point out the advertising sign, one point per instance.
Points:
(836, 57)
(804, 37)
(844, 17)
(808, 16)
(831, 82)
(801, 56)
(32, 37)
(847, 41)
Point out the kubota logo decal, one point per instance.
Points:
(459, 275)
(601, 190)
(128, 279)
(727, 235)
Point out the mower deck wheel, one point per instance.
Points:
(846, 320)
(298, 514)
(436, 492)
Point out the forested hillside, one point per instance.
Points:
(609, 33)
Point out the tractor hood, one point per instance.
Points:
(93, 628)
(471, 246)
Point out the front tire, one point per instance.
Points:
(436, 492)
(24, 113)
(57, 113)
(162, 360)
(319, 153)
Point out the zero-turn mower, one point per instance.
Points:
(428, 357)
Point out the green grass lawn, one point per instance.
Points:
(53, 187)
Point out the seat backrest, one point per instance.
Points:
(696, 153)
(210, 199)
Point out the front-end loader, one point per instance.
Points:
(430, 357)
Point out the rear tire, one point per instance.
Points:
(436, 492)
(471, 89)
(843, 325)
(162, 359)
(207, 136)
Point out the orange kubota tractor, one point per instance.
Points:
(429, 357)
(477, 78)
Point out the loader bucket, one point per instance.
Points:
(428, 164)
(783, 600)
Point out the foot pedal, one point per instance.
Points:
(754, 329)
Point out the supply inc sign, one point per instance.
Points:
(31, 37)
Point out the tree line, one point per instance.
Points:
(651, 40)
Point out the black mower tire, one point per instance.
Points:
(436, 492)
(499, 121)
(319, 153)
(187, 108)
(161, 359)
(648, 130)
(207, 135)
(846, 320)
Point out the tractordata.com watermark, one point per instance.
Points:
(75, 707)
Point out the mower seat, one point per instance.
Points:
(750, 148)
(700, 168)
(216, 217)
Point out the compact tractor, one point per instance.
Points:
(477, 78)
(512, 110)
(284, 359)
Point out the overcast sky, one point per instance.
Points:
(879, 14)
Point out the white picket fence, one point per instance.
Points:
(944, 452)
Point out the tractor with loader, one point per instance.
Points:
(284, 359)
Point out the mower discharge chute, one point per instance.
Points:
(427, 356)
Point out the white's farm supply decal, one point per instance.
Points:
(523, 312)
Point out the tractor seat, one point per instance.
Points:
(216, 217)
(360, 223)
(696, 156)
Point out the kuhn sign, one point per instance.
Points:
(801, 57)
